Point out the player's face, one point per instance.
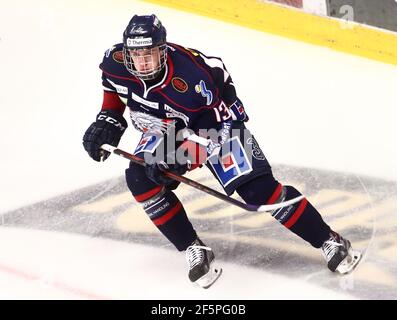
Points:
(146, 60)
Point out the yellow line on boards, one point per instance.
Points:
(295, 24)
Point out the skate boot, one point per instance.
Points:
(200, 259)
(339, 254)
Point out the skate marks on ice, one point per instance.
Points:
(362, 209)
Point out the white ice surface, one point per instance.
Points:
(105, 269)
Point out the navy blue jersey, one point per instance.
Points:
(195, 91)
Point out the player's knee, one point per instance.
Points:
(141, 187)
(267, 190)
(289, 214)
(261, 190)
(290, 192)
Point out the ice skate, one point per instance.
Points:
(339, 254)
(200, 259)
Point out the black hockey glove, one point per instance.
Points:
(108, 128)
(155, 171)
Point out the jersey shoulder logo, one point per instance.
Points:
(118, 56)
(179, 84)
(201, 88)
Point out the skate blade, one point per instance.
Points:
(350, 262)
(210, 277)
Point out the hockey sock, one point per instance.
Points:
(168, 215)
(163, 208)
(301, 218)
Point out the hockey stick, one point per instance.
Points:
(199, 186)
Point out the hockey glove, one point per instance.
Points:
(108, 128)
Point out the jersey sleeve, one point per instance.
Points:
(106, 84)
(111, 99)
(224, 83)
(229, 107)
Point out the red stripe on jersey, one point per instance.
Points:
(148, 194)
(170, 214)
(170, 73)
(111, 101)
(296, 214)
(275, 195)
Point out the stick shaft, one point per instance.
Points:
(202, 187)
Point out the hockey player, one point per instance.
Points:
(172, 91)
